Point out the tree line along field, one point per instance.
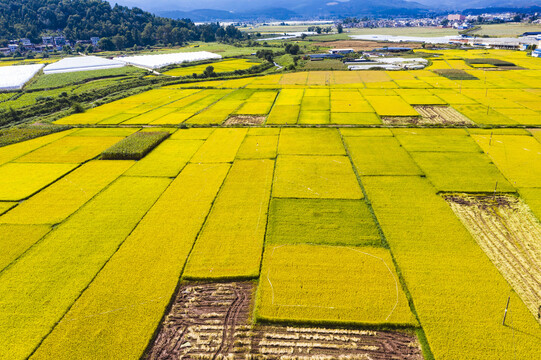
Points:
(290, 240)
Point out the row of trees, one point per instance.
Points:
(122, 26)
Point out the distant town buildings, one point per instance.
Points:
(456, 17)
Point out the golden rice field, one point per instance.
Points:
(219, 67)
(305, 235)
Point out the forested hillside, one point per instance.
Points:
(82, 19)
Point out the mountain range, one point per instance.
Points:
(210, 10)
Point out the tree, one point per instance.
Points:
(340, 28)
(209, 71)
(265, 54)
(106, 44)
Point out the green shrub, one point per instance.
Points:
(135, 146)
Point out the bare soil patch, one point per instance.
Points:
(212, 321)
(510, 235)
(359, 45)
(431, 115)
(245, 120)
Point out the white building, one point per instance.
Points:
(341, 51)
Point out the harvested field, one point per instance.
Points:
(510, 235)
(359, 45)
(212, 321)
(245, 120)
(431, 115)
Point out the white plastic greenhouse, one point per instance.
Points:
(14, 77)
(81, 63)
(158, 61)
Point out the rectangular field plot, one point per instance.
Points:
(71, 149)
(380, 156)
(99, 132)
(315, 103)
(221, 146)
(482, 114)
(192, 134)
(140, 277)
(458, 294)
(515, 252)
(465, 172)
(391, 106)
(64, 197)
(13, 151)
(202, 312)
(518, 157)
(41, 286)
(259, 103)
(289, 97)
(284, 115)
(20, 180)
(314, 117)
(310, 142)
(442, 141)
(320, 177)
(331, 284)
(167, 159)
(351, 118)
(215, 114)
(321, 221)
(377, 132)
(231, 241)
(16, 239)
(258, 147)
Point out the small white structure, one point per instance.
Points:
(82, 63)
(14, 77)
(374, 66)
(536, 53)
(341, 51)
(393, 63)
(158, 61)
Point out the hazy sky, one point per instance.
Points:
(239, 5)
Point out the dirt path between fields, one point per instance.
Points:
(212, 321)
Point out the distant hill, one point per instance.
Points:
(201, 15)
(83, 19)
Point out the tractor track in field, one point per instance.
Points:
(212, 321)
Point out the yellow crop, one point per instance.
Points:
(258, 147)
(518, 157)
(167, 159)
(13, 151)
(331, 284)
(20, 180)
(64, 197)
(41, 286)
(458, 294)
(323, 177)
(16, 239)
(310, 142)
(221, 146)
(70, 149)
(231, 241)
(130, 294)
